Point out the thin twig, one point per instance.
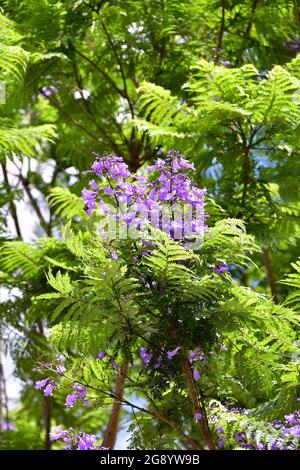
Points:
(204, 430)
(12, 205)
(270, 275)
(33, 202)
(221, 30)
(101, 72)
(113, 424)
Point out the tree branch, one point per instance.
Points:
(89, 114)
(155, 414)
(113, 424)
(12, 205)
(77, 124)
(203, 424)
(33, 203)
(221, 30)
(248, 31)
(246, 174)
(125, 91)
(268, 266)
(101, 72)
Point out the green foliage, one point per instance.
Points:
(293, 280)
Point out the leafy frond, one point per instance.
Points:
(293, 280)
(23, 141)
(66, 204)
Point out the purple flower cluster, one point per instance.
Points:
(73, 441)
(275, 435)
(198, 416)
(47, 384)
(79, 395)
(102, 355)
(220, 268)
(165, 199)
(112, 166)
(7, 426)
(48, 91)
(197, 359)
(225, 63)
(146, 355)
(173, 353)
(90, 197)
(293, 45)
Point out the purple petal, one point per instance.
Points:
(41, 384)
(196, 374)
(71, 399)
(173, 353)
(48, 392)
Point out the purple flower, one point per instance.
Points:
(295, 431)
(173, 353)
(48, 392)
(7, 426)
(158, 362)
(114, 364)
(71, 400)
(60, 370)
(223, 347)
(194, 355)
(58, 433)
(79, 441)
(114, 255)
(145, 355)
(220, 429)
(196, 374)
(86, 442)
(41, 384)
(89, 198)
(81, 391)
(112, 165)
(220, 268)
(225, 63)
(275, 446)
(48, 90)
(79, 394)
(291, 419)
(101, 355)
(198, 416)
(94, 185)
(221, 443)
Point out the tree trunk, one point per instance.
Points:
(113, 424)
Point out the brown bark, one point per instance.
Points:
(47, 422)
(197, 408)
(222, 28)
(113, 424)
(47, 403)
